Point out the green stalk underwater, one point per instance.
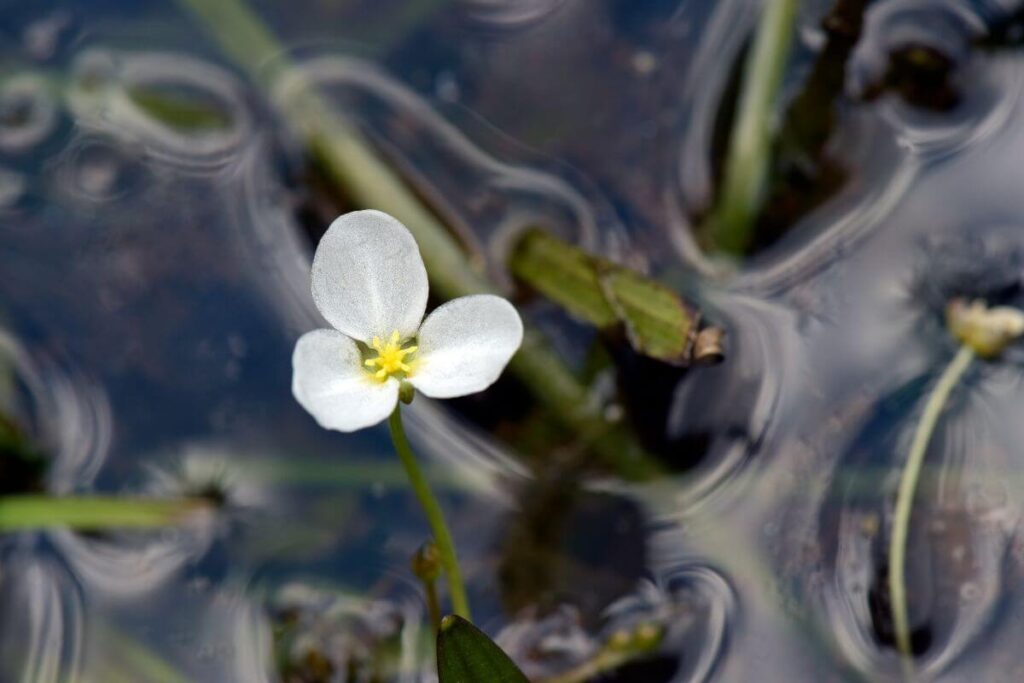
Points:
(435, 518)
(24, 512)
(749, 155)
(905, 497)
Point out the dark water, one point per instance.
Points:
(153, 280)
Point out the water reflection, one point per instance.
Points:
(154, 276)
(42, 628)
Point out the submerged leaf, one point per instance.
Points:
(466, 655)
(658, 323)
(181, 110)
(563, 273)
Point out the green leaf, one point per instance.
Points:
(179, 109)
(92, 513)
(658, 323)
(731, 225)
(466, 655)
(564, 274)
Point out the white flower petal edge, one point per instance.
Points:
(465, 344)
(368, 277)
(329, 381)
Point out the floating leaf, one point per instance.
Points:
(466, 655)
(657, 322)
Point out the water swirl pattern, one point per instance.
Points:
(154, 275)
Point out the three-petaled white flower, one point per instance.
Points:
(369, 282)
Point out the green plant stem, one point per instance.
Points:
(368, 181)
(18, 513)
(433, 605)
(435, 518)
(905, 497)
(749, 155)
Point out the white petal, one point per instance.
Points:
(329, 381)
(368, 277)
(465, 344)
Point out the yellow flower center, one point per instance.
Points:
(390, 360)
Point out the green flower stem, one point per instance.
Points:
(433, 605)
(746, 164)
(438, 527)
(19, 513)
(905, 497)
(368, 181)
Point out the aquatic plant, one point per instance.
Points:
(982, 332)
(369, 282)
(746, 173)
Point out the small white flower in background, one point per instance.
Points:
(986, 330)
(369, 282)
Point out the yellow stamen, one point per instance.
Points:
(391, 358)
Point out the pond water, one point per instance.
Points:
(155, 276)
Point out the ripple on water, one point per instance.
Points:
(64, 412)
(125, 565)
(960, 530)
(863, 141)
(41, 624)
(95, 169)
(719, 416)
(487, 199)
(986, 86)
(177, 108)
(69, 418)
(29, 113)
(503, 15)
(690, 605)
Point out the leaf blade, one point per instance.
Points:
(562, 273)
(466, 655)
(658, 323)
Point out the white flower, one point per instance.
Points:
(986, 330)
(369, 282)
